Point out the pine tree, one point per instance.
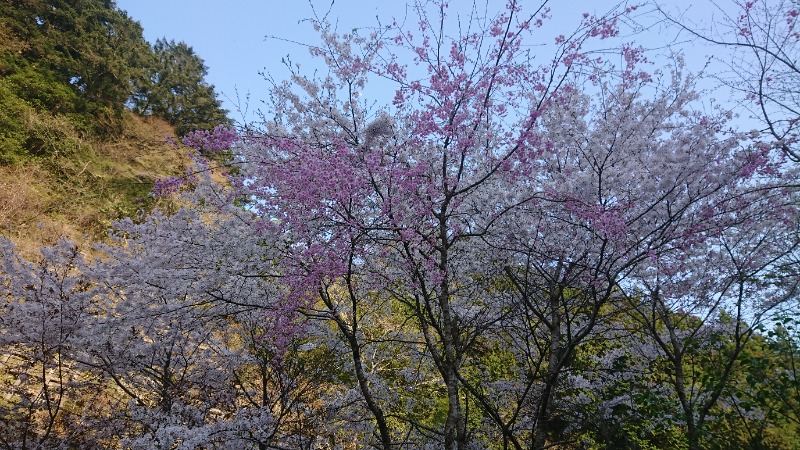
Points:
(176, 90)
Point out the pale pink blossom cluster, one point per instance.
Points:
(221, 138)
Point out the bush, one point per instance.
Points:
(13, 133)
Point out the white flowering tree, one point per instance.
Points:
(497, 209)
(44, 309)
(756, 42)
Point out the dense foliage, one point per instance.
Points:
(175, 89)
(73, 157)
(508, 255)
(72, 66)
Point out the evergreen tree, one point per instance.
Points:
(176, 90)
(78, 57)
(88, 59)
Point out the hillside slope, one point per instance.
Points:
(78, 193)
(86, 105)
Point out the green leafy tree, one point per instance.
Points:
(80, 58)
(769, 392)
(176, 90)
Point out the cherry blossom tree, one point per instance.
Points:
(758, 41)
(196, 333)
(559, 182)
(178, 335)
(403, 197)
(44, 308)
(703, 302)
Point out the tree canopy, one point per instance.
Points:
(175, 89)
(82, 62)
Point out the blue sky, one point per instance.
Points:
(234, 37)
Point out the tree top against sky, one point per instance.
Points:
(244, 40)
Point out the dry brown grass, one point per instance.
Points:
(78, 195)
